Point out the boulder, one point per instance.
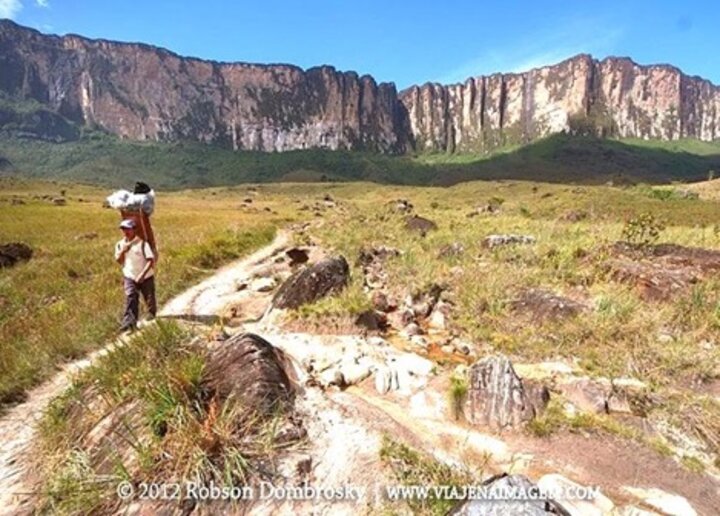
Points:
(598, 506)
(297, 256)
(59, 201)
(666, 503)
(252, 370)
(492, 505)
(419, 224)
(371, 320)
(451, 250)
(587, 394)
(492, 241)
(14, 252)
(542, 305)
(496, 396)
(312, 283)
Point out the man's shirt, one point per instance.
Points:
(136, 258)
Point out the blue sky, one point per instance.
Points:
(405, 42)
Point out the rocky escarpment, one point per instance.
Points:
(146, 93)
(612, 97)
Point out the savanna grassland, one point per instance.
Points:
(66, 300)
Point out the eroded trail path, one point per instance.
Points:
(18, 426)
(393, 391)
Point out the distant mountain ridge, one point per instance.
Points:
(141, 92)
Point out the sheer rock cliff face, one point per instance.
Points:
(581, 95)
(141, 92)
(146, 93)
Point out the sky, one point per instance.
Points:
(405, 42)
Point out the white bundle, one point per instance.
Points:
(125, 200)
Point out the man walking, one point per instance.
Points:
(137, 260)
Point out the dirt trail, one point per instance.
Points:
(345, 427)
(18, 424)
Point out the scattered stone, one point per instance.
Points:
(666, 503)
(499, 507)
(248, 200)
(600, 505)
(411, 330)
(587, 394)
(496, 396)
(401, 318)
(653, 281)
(662, 271)
(402, 205)
(371, 320)
(438, 319)
(419, 340)
(460, 346)
(297, 256)
(330, 377)
(423, 302)
(380, 301)
(370, 255)
(451, 250)
(542, 305)
(263, 285)
(371, 259)
(17, 202)
(59, 201)
(253, 370)
(447, 349)
(312, 283)
(354, 373)
(493, 241)
(419, 224)
(87, 236)
(14, 252)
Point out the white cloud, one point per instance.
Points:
(10, 8)
(42, 3)
(547, 46)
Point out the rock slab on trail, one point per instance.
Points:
(325, 277)
(496, 396)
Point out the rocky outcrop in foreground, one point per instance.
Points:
(142, 92)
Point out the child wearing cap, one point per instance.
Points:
(137, 260)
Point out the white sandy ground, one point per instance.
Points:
(345, 427)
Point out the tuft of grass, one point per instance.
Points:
(457, 393)
(411, 467)
(164, 426)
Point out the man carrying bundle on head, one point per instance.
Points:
(137, 260)
(137, 251)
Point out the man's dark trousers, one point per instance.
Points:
(132, 299)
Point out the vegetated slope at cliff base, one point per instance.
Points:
(106, 160)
